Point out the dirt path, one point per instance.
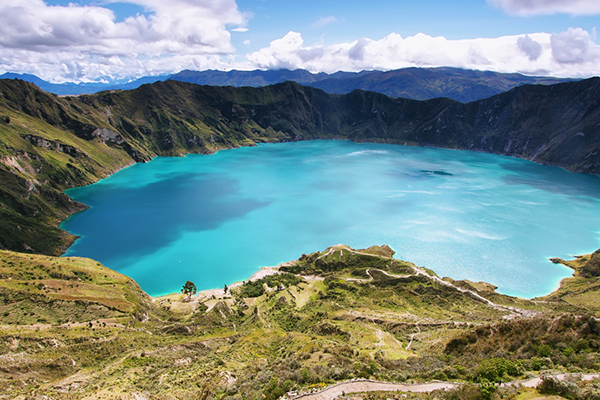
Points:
(371, 386)
(533, 382)
(512, 310)
(362, 386)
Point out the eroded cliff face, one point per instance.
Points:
(51, 143)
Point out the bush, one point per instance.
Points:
(494, 369)
(567, 387)
(482, 391)
(571, 387)
(544, 350)
(251, 289)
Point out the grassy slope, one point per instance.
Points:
(359, 314)
(582, 290)
(42, 156)
(37, 289)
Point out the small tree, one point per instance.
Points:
(189, 289)
(225, 288)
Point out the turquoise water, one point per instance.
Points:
(216, 219)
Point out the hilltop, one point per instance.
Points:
(329, 316)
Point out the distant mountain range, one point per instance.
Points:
(63, 89)
(411, 83)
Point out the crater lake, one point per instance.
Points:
(216, 219)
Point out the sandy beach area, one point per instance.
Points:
(178, 302)
(261, 273)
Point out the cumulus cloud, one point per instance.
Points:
(88, 38)
(530, 47)
(85, 43)
(569, 54)
(574, 47)
(357, 51)
(534, 7)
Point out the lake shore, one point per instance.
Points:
(177, 301)
(210, 297)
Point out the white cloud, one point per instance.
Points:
(568, 54)
(87, 38)
(574, 47)
(534, 7)
(85, 43)
(324, 21)
(530, 47)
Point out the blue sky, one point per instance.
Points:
(466, 19)
(87, 40)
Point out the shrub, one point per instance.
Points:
(494, 369)
(566, 387)
(251, 289)
(544, 350)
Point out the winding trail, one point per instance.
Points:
(364, 385)
(359, 386)
(513, 310)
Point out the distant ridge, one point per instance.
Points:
(411, 83)
(63, 89)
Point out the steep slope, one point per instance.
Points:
(51, 143)
(548, 124)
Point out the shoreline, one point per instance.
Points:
(207, 294)
(73, 239)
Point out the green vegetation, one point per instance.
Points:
(189, 289)
(43, 290)
(257, 288)
(571, 388)
(74, 329)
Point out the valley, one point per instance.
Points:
(52, 143)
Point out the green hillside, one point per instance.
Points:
(73, 329)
